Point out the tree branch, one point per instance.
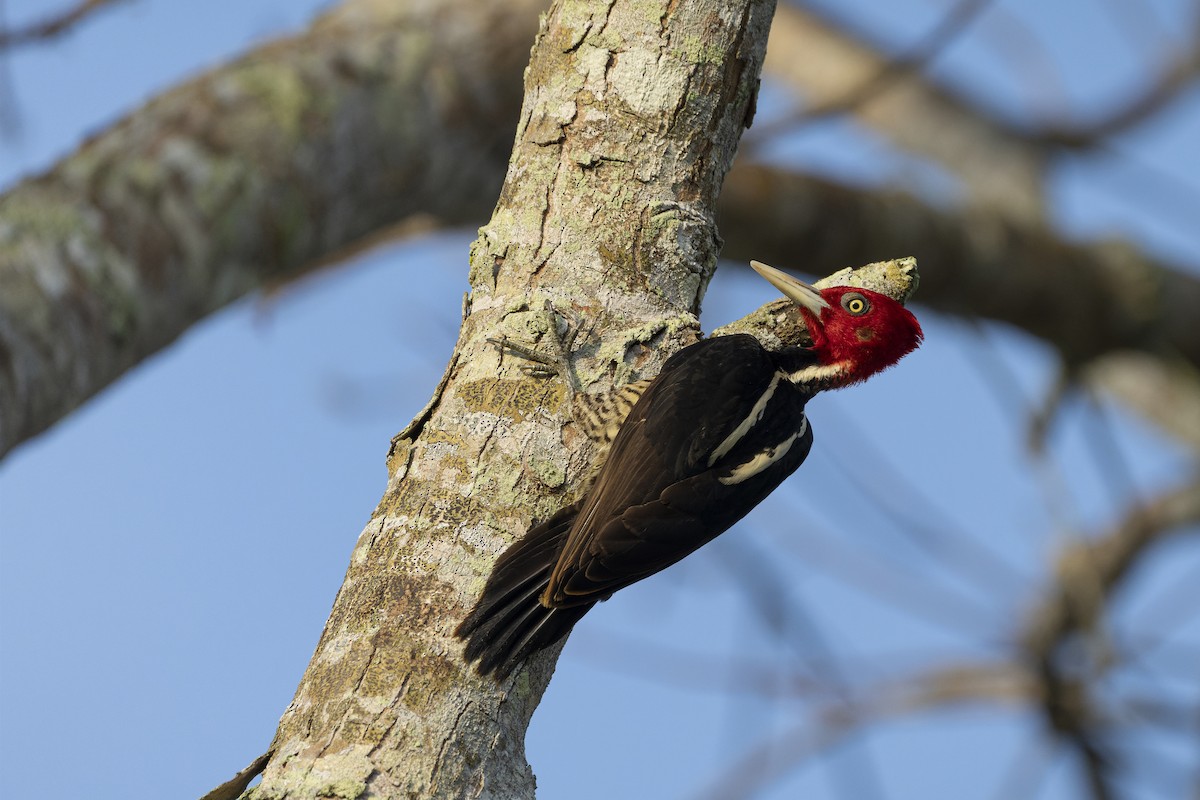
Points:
(1176, 76)
(247, 175)
(885, 77)
(625, 136)
(1086, 577)
(1088, 572)
(925, 692)
(107, 258)
(999, 167)
(1087, 300)
(53, 26)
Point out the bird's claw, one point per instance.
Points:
(546, 365)
(539, 371)
(571, 319)
(504, 344)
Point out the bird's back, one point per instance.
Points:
(714, 434)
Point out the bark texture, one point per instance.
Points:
(277, 162)
(244, 176)
(630, 120)
(389, 108)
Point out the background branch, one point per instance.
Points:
(54, 25)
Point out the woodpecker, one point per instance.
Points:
(698, 447)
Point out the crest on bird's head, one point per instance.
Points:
(859, 330)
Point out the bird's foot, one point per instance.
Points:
(547, 365)
(542, 366)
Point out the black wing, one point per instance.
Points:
(712, 436)
(677, 476)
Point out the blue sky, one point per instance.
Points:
(169, 553)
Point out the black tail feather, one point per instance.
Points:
(509, 623)
(525, 633)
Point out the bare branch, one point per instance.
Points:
(891, 71)
(918, 516)
(55, 25)
(784, 615)
(1178, 75)
(241, 177)
(1087, 300)
(1002, 164)
(930, 691)
(859, 569)
(1086, 575)
(233, 788)
(1000, 168)
(1161, 389)
(1087, 572)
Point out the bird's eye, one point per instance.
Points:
(856, 304)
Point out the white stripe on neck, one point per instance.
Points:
(818, 373)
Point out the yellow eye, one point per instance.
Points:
(856, 304)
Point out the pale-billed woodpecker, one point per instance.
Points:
(698, 447)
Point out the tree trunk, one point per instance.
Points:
(629, 123)
(279, 161)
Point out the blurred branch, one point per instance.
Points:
(887, 74)
(1178, 75)
(1165, 391)
(1170, 607)
(1047, 675)
(1087, 572)
(1001, 164)
(1000, 683)
(54, 25)
(689, 669)
(774, 597)
(830, 66)
(1175, 716)
(893, 588)
(917, 515)
(252, 173)
(1087, 300)
(1056, 637)
(929, 691)
(125, 220)
(1160, 85)
(1108, 456)
(1048, 410)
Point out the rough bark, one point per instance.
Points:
(244, 176)
(247, 176)
(630, 120)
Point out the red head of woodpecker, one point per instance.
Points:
(855, 332)
(702, 444)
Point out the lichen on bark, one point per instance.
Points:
(629, 125)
